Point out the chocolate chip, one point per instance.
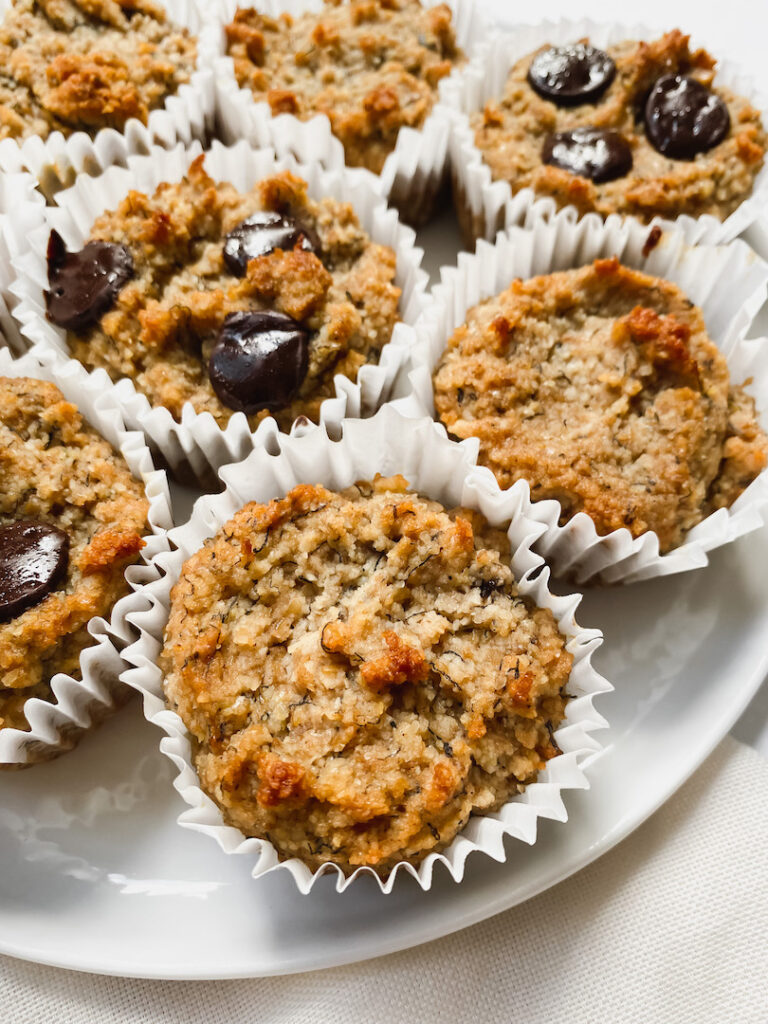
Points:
(488, 587)
(33, 558)
(653, 239)
(262, 233)
(84, 284)
(570, 75)
(684, 117)
(259, 361)
(589, 152)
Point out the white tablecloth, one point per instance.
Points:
(668, 927)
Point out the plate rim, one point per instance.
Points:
(466, 919)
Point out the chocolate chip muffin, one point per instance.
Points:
(360, 674)
(641, 128)
(371, 66)
(71, 520)
(227, 300)
(83, 65)
(600, 387)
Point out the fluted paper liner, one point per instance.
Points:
(21, 213)
(413, 173)
(387, 443)
(486, 206)
(81, 703)
(186, 115)
(728, 282)
(196, 447)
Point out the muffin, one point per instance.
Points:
(641, 128)
(601, 388)
(71, 520)
(359, 673)
(371, 66)
(83, 65)
(230, 301)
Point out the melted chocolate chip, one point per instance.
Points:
(489, 587)
(33, 558)
(84, 284)
(589, 152)
(262, 233)
(259, 361)
(570, 75)
(684, 117)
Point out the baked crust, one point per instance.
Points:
(55, 468)
(83, 65)
(511, 131)
(360, 674)
(372, 66)
(165, 321)
(601, 388)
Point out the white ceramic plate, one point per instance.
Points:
(97, 876)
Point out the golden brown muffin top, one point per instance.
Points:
(56, 470)
(372, 66)
(360, 674)
(166, 321)
(601, 388)
(83, 65)
(512, 131)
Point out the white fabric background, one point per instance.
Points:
(668, 927)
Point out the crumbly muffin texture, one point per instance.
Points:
(600, 387)
(166, 320)
(83, 65)
(360, 674)
(372, 66)
(510, 134)
(55, 469)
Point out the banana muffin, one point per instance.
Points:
(83, 65)
(642, 128)
(371, 66)
(71, 520)
(360, 674)
(227, 300)
(600, 387)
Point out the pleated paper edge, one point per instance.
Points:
(187, 115)
(388, 442)
(414, 172)
(485, 206)
(196, 447)
(728, 282)
(21, 213)
(81, 704)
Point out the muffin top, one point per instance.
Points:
(83, 65)
(642, 128)
(372, 66)
(360, 674)
(600, 387)
(230, 301)
(71, 519)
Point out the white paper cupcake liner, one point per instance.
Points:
(196, 447)
(187, 115)
(21, 213)
(413, 173)
(79, 704)
(729, 284)
(486, 206)
(387, 443)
